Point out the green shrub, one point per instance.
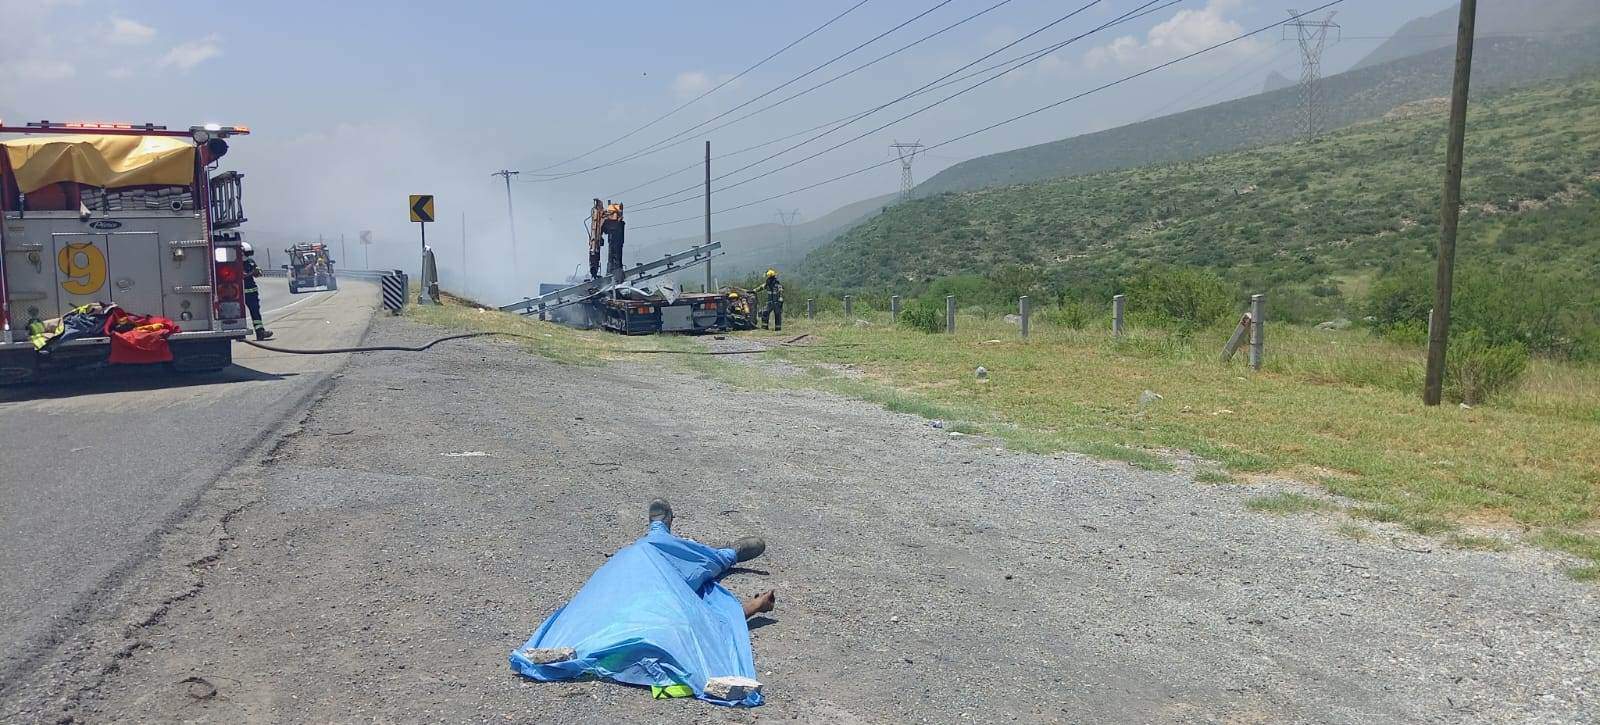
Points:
(1409, 333)
(923, 314)
(1536, 309)
(1071, 314)
(1298, 305)
(1542, 311)
(1401, 297)
(969, 289)
(1182, 297)
(1476, 369)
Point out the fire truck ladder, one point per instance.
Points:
(582, 291)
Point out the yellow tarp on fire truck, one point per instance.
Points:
(106, 161)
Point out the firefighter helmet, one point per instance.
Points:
(772, 273)
(247, 249)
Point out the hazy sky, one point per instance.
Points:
(354, 105)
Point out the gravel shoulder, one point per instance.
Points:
(364, 569)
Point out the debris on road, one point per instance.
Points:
(733, 689)
(549, 655)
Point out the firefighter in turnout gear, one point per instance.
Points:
(612, 227)
(774, 308)
(252, 293)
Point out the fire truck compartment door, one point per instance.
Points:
(30, 269)
(82, 268)
(136, 279)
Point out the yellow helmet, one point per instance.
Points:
(772, 273)
(733, 295)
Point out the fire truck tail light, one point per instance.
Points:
(229, 290)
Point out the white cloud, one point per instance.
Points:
(129, 32)
(119, 73)
(1185, 32)
(186, 56)
(691, 83)
(1054, 65)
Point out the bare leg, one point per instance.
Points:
(759, 603)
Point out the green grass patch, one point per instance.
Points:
(1380, 514)
(1354, 531)
(1430, 526)
(558, 343)
(1477, 543)
(1287, 503)
(1577, 544)
(1212, 475)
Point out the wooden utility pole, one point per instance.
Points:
(1450, 212)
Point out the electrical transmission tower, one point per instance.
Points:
(1313, 36)
(907, 153)
(786, 218)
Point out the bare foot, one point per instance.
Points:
(762, 602)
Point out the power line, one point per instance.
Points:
(1010, 120)
(882, 106)
(846, 120)
(997, 76)
(671, 142)
(714, 89)
(775, 89)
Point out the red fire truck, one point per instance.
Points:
(121, 214)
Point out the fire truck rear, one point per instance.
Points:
(119, 214)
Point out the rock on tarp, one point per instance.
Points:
(653, 614)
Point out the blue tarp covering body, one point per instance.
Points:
(653, 614)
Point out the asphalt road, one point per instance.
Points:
(95, 469)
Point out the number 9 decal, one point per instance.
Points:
(85, 267)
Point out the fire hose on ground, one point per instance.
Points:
(464, 336)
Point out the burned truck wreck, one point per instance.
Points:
(641, 302)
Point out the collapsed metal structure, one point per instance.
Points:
(607, 306)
